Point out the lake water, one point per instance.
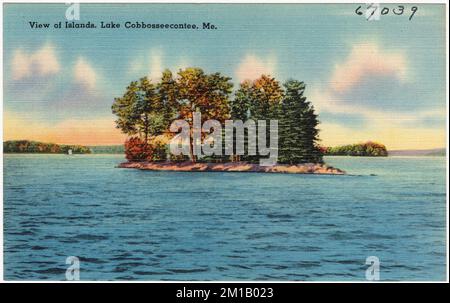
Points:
(130, 224)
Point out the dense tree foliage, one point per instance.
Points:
(140, 110)
(266, 98)
(298, 127)
(257, 100)
(200, 92)
(26, 146)
(367, 149)
(168, 92)
(147, 109)
(137, 150)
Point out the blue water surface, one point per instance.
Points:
(126, 224)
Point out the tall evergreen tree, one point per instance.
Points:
(168, 93)
(240, 110)
(148, 108)
(267, 98)
(242, 101)
(298, 127)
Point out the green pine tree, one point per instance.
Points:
(298, 127)
(168, 93)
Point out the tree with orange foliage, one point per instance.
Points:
(137, 150)
(205, 93)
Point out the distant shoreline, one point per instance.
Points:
(419, 152)
(35, 147)
(340, 156)
(308, 168)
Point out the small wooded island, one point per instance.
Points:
(367, 149)
(147, 109)
(28, 146)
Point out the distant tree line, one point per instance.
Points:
(26, 146)
(146, 110)
(107, 149)
(367, 149)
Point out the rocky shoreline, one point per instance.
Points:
(308, 168)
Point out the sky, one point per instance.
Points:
(379, 80)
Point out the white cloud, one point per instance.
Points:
(367, 59)
(21, 67)
(155, 63)
(252, 67)
(46, 61)
(326, 101)
(85, 74)
(398, 130)
(43, 62)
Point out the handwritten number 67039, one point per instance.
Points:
(399, 10)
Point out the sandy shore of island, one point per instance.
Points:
(308, 168)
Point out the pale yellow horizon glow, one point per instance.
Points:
(102, 131)
(394, 138)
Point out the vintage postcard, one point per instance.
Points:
(225, 142)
